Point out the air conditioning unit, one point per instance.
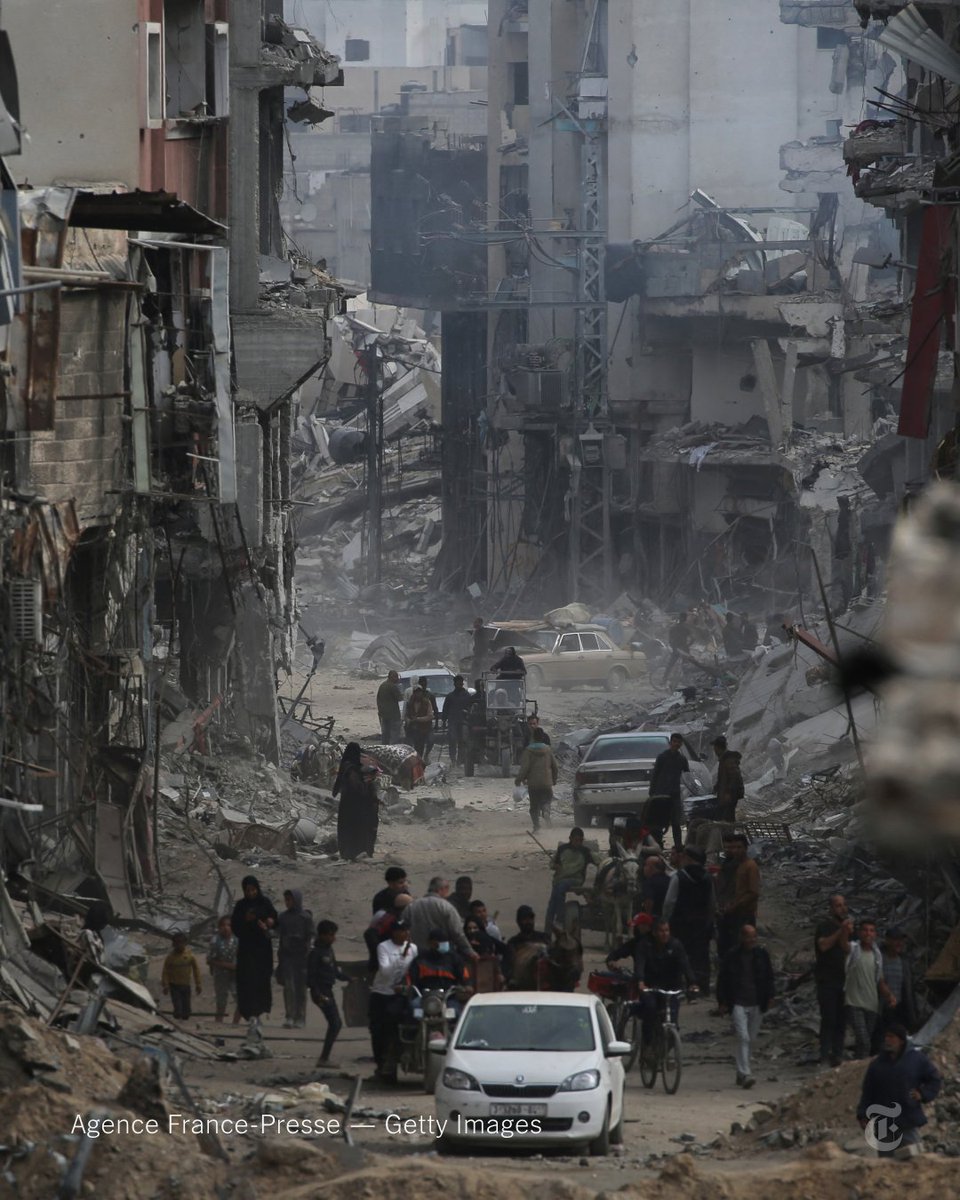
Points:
(26, 611)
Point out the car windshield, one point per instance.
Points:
(547, 1027)
(440, 685)
(626, 748)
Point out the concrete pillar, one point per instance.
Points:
(244, 156)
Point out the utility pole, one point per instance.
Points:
(590, 545)
(374, 539)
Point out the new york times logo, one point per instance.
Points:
(882, 1131)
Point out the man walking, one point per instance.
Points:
(831, 941)
(539, 771)
(389, 699)
(690, 907)
(898, 977)
(666, 779)
(455, 708)
(418, 720)
(864, 988)
(745, 989)
(898, 1083)
(728, 787)
(680, 637)
(738, 892)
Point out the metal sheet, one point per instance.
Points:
(111, 859)
(156, 212)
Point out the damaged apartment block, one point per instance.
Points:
(148, 394)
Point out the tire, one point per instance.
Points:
(649, 1069)
(672, 1061)
(582, 816)
(616, 679)
(431, 1073)
(600, 1146)
(446, 1145)
(534, 678)
(616, 1133)
(629, 1031)
(506, 763)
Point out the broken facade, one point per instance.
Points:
(148, 400)
(616, 308)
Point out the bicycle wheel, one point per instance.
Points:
(671, 1060)
(650, 1056)
(628, 1030)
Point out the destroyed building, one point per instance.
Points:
(149, 388)
(394, 50)
(620, 303)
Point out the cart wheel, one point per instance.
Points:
(506, 765)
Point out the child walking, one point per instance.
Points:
(222, 961)
(322, 973)
(179, 967)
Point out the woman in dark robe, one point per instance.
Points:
(253, 918)
(358, 816)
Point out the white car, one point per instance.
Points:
(439, 681)
(532, 1067)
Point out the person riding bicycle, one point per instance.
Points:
(636, 947)
(569, 864)
(660, 961)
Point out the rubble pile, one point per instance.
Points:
(822, 1172)
(49, 1079)
(824, 1108)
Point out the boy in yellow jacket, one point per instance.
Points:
(178, 967)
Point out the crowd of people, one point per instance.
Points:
(447, 939)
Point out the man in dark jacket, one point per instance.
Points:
(510, 666)
(728, 787)
(439, 968)
(666, 779)
(322, 973)
(396, 881)
(745, 989)
(690, 907)
(659, 961)
(455, 708)
(389, 699)
(831, 941)
(896, 1086)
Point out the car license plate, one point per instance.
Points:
(518, 1110)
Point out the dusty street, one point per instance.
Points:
(488, 840)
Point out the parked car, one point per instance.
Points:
(580, 657)
(528, 1068)
(439, 681)
(614, 774)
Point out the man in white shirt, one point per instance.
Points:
(394, 957)
(865, 988)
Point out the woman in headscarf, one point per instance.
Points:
(253, 918)
(358, 816)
